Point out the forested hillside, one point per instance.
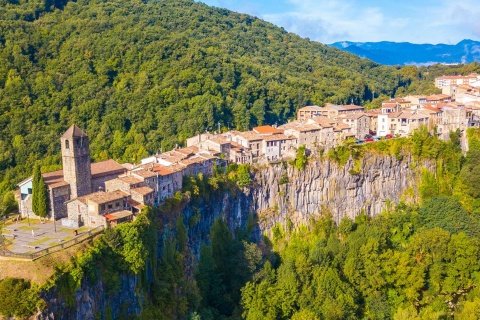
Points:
(140, 76)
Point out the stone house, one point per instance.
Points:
(250, 140)
(90, 210)
(401, 123)
(308, 112)
(358, 122)
(332, 111)
(277, 146)
(240, 154)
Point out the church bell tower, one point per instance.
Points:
(76, 162)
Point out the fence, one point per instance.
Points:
(32, 256)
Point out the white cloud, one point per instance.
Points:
(331, 20)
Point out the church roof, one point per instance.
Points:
(74, 131)
(106, 168)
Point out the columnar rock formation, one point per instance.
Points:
(283, 192)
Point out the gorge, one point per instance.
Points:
(280, 195)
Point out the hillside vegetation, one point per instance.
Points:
(140, 76)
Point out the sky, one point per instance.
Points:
(328, 21)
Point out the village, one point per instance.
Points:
(108, 193)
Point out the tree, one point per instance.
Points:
(39, 194)
(8, 204)
(300, 158)
(243, 176)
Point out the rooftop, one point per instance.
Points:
(311, 108)
(266, 130)
(102, 197)
(277, 137)
(74, 131)
(131, 180)
(106, 168)
(118, 215)
(143, 190)
(54, 179)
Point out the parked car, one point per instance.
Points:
(376, 138)
(368, 136)
(388, 136)
(369, 140)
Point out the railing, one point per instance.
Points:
(32, 256)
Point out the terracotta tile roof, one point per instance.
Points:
(323, 121)
(142, 190)
(131, 180)
(389, 104)
(83, 199)
(352, 115)
(194, 160)
(291, 125)
(118, 215)
(188, 150)
(127, 166)
(104, 197)
(432, 108)
(352, 107)
(308, 127)
(394, 114)
(74, 131)
(144, 173)
(135, 204)
(250, 136)
(178, 167)
(341, 127)
(266, 130)
(106, 168)
(162, 170)
(277, 137)
(311, 108)
(54, 179)
(437, 97)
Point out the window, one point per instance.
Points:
(117, 204)
(29, 190)
(102, 207)
(67, 144)
(110, 206)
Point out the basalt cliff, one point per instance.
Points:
(279, 194)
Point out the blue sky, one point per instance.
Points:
(327, 21)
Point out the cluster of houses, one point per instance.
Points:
(107, 193)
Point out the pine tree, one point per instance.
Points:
(39, 196)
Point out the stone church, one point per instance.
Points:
(78, 178)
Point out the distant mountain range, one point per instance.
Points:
(405, 53)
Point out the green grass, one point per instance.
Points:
(39, 241)
(83, 229)
(55, 243)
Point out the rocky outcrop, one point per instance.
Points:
(282, 192)
(93, 301)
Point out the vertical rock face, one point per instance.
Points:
(92, 301)
(279, 193)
